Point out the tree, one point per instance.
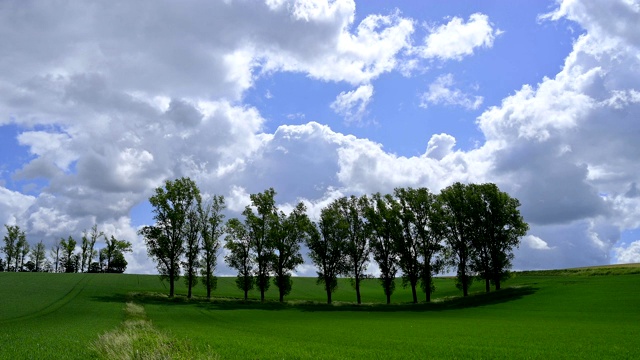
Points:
(238, 242)
(38, 255)
(261, 228)
(327, 243)
(419, 230)
(88, 246)
(383, 215)
(454, 214)
(288, 233)
(13, 241)
(24, 251)
(84, 251)
(192, 232)
(357, 246)
(118, 263)
(212, 229)
(408, 245)
(113, 255)
(68, 247)
(55, 254)
(165, 240)
(500, 226)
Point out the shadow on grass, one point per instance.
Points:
(453, 303)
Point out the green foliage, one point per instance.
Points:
(38, 256)
(238, 242)
(165, 240)
(327, 244)
(14, 242)
(453, 213)
(192, 233)
(114, 254)
(357, 247)
(261, 228)
(212, 229)
(383, 215)
(88, 251)
(499, 227)
(287, 235)
(69, 263)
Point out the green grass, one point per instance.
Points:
(575, 313)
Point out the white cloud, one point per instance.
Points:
(13, 205)
(628, 254)
(535, 243)
(458, 39)
(117, 110)
(442, 92)
(440, 145)
(352, 105)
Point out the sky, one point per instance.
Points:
(101, 102)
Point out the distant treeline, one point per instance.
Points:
(62, 255)
(470, 227)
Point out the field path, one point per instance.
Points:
(73, 292)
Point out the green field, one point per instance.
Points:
(579, 313)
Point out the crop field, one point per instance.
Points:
(591, 313)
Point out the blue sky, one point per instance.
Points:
(100, 104)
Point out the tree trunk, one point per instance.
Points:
(497, 281)
(413, 292)
(465, 285)
(358, 290)
(208, 280)
(328, 294)
(246, 295)
(487, 284)
(262, 294)
(189, 287)
(171, 285)
(281, 296)
(428, 280)
(388, 298)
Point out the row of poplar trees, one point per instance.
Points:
(62, 253)
(472, 228)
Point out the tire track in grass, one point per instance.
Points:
(56, 304)
(137, 338)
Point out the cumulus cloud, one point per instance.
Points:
(352, 105)
(442, 92)
(628, 254)
(108, 113)
(440, 145)
(458, 38)
(535, 243)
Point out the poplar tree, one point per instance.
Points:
(289, 231)
(212, 229)
(383, 215)
(38, 256)
(238, 242)
(454, 211)
(357, 248)
(165, 239)
(327, 243)
(261, 228)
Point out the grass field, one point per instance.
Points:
(591, 313)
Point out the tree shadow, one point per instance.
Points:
(443, 304)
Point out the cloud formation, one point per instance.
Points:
(442, 92)
(107, 113)
(457, 38)
(352, 105)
